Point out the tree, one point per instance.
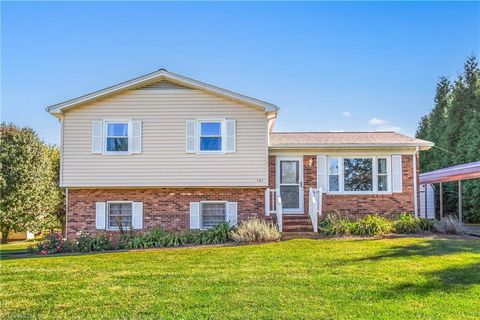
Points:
(454, 126)
(28, 193)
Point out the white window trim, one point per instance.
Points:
(107, 214)
(207, 202)
(341, 179)
(223, 136)
(105, 136)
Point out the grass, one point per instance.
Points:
(14, 247)
(399, 278)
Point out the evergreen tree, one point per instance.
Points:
(454, 126)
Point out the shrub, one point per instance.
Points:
(407, 223)
(426, 224)
(334, 225)
(219, 234)
(52, 243)
(449, 225)
(371, 225)
(255, 230)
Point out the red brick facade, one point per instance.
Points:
(163, 207)
(168, 208)
(357, 205)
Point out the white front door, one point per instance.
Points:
(290, 181)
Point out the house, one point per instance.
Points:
(164, 150)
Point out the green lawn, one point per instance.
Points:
(403, 278)
(14, 247)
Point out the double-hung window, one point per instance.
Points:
(116, 137)
(213, 213)
(210, 136)
(359, 175)
(119, 215)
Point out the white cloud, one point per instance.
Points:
(377, 122)
(388, 128)
(345, 114)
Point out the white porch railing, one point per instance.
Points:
(314, 206)
(273, 205)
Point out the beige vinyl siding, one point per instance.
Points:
(163, 110)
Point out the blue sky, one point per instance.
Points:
(328, 66)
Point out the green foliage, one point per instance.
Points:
(155, 238)
(454, 126)
(407, 223)
(29, 196)
(256, 230)
(334, 225)
(372, 225)
(52, 243)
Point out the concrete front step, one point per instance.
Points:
(299, 235)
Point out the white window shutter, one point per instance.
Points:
(231, 135)
(194, 215)
(232, 214)
(191, 136)
(137, 136)
(322, 173)
(97, 136)
(397, 173)
(100, 215)
(137, 215)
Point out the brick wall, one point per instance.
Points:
(163, 207)
(357, 205)
(271, 172)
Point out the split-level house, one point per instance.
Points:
(163, 150)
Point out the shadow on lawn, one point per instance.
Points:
(433, 247)
(441, 281)
(444, 280)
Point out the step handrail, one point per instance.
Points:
(279, 210)
(314, 206)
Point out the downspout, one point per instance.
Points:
(415, 191)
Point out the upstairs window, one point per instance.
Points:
(210, 136)
(116, 137)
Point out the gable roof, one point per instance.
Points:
(161, 75)
(297, 140)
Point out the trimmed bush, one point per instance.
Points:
(255, 230)
(450, 225)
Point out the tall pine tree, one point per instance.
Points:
(454, 126)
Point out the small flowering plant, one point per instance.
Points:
(52, 243)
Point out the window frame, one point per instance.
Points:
(222, 136)
(128, 122)
(107, 215)
(211, 202)
(341, 176)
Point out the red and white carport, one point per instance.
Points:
(458, 173)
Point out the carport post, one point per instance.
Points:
(441, 201)
(425, 188)
(460, 200)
